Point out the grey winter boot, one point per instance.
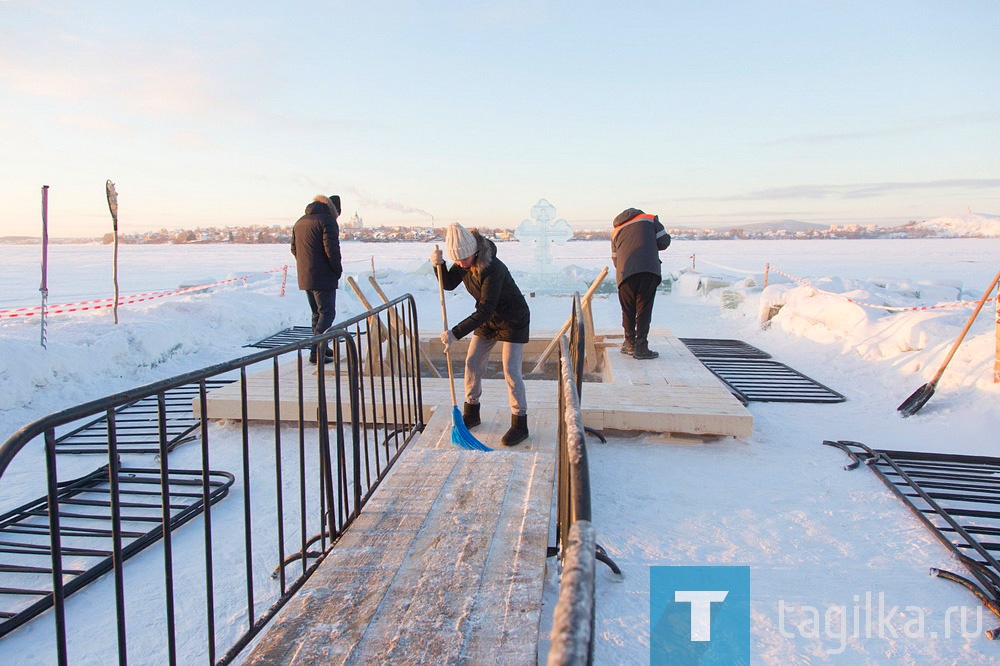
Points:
(518, 430)
(642, 350)
(470, 415)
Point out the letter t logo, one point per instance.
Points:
(701, 610)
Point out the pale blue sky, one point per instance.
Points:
(707, 113)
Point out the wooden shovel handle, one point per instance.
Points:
(968, 325)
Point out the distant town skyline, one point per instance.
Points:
(968, 226)
(708, 114)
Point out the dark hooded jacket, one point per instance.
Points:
(636, 242)
(501, 311)
(316, 247)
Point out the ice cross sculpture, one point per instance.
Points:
(542, 231)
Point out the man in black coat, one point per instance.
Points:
(316, 248)
(501, 315)
(636, 242)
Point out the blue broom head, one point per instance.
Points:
(460, 435)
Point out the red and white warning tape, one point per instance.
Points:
(102, 303)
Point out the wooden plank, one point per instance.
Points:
(592, 361)
(445, 564)
(673, 393)
(390, 335)
(401, 327)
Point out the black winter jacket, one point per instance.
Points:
(316, 248)
(636, 242)
(501, 311)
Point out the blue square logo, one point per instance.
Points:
(699, 615)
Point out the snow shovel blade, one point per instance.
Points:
(912, 405)
(460, 435)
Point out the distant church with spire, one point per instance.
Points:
(355, 222)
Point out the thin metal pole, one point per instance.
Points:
(44, 288)
(354, 388)
(303, 504)
(58, 591)
(166, 519)
(247, 505)
(114, 501)
(113, 207)
(206, 502)
(278, 476)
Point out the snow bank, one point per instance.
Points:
(780, 502)
(879, 320)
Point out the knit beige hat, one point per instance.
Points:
(461, 244)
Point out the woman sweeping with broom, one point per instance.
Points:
(501, 315)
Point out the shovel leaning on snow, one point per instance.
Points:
(912, 405)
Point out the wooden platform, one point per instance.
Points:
(445, 565)
(673, 395)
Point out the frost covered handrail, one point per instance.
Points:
(572, 635)
(331, 434)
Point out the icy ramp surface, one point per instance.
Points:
(445, 565)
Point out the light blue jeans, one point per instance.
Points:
(511, 358)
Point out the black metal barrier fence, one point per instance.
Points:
(572, 635)
(275, 481)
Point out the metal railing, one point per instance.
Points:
(308, 448)
(955, 497)
(572, 635)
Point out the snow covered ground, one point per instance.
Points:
(821, 542)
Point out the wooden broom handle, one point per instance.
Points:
(439, 269)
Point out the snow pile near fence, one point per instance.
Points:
(87, 356)
(909, 325)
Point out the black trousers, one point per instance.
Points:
(636, 294)
(323, 303)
